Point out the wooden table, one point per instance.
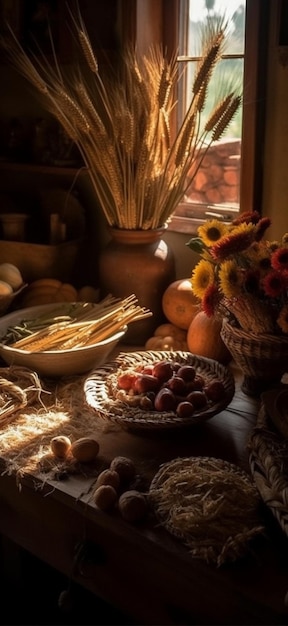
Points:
(142, 569)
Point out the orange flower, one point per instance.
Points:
(237, 241)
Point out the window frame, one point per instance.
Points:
(157, 21)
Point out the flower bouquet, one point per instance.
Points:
(241, 275)
(243, 278)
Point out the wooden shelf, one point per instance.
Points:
(41, 169)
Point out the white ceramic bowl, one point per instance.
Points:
(54, 363)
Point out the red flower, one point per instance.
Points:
(274, 284)
(210, 300)
(231, 244)
(262, 226)
(247, 217)
(279, 259)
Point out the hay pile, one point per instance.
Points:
(32, 412)
(210, 504)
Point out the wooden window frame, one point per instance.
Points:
(157, 21)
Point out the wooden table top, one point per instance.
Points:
(251, 590)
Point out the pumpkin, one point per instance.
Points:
(179, 303)
(48, 290)
(204, 339)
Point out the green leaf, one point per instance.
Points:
(196, 244)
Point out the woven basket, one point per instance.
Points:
(101, 390)
(262, 358)
(268, 456)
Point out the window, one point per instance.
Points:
(229, 180)
(162, 21)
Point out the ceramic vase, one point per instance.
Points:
(138, 262)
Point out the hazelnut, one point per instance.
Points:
(85, 449)
(124, 467)
(132, 505)
(108, 477)
(105, 497)
(60, 446)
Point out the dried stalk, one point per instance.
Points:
(69, 334)
(139, 171)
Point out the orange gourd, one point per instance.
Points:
(167, 337)
(48, 290)
(204, 339)
(179, 303)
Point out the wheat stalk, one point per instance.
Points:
(121, 124)
(112, 316)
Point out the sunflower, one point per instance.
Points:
(230, 279)
(212, 231)
(259, 256)
(202, 278)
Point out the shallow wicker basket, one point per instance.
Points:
(268, 456)
(101, 388)
(263, 359)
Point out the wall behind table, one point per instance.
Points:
(275, 180)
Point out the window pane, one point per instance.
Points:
(202, 10)
(216, 187)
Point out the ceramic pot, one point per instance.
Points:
(138, 262)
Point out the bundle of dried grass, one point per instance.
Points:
(139, 167)
(210, 504)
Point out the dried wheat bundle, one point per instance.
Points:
(92, 326)
(210, 504)
(122, 123)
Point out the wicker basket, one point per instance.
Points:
(262, 358)
(268, 456)
(101, 391)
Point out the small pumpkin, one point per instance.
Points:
(204, 339)
(47, 291)
(179, 303)
(167, 337)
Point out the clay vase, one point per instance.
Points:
(138, 262)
